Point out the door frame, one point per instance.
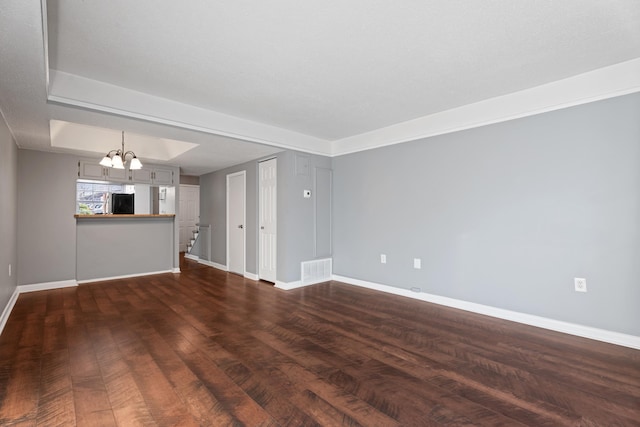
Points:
(244, 219)
(258, 215)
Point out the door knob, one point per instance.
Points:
(241, 226)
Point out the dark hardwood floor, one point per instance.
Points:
(208, 348)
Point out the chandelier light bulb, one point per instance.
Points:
(117, 158)
(116, 162)
(135, 164)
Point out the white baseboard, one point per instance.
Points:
(7, 309)
(246, 274)
(213, 264)
(287, 286)
(218, 266)
(251, 276)
(176, 270)
(47, 286)
(125, 276)
(209, 263)
(611, 337)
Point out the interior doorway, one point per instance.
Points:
(189, 213)
(236, 221)
(267, 218)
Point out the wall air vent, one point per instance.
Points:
(315, 271)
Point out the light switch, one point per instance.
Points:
(307, 194)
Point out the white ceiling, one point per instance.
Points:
(73, 136)
(244, 79)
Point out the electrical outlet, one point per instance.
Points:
(383, 259)
(417, 263)
(580, 284)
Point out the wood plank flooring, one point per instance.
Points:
(213, 349)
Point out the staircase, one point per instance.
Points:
(198, 247)
(194, 239)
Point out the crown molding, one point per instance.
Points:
(600, 84)
(77, 91)
(608, 82)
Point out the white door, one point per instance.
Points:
(189, 213)
(236, 222)
(267, 218)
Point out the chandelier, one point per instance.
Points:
(117, 158)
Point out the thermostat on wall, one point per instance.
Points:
(306, 194)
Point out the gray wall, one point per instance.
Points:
(109, 247)
(298, 227)
(505, 215)
(47, 228)
(8, 214)
(213, 212)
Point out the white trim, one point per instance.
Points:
(176, 270)
(213, 264)
(287, 286)
(124, 276)
(218, 266)
(45, 41)
(611, 337)
(251, 276)
(261, 166)
(8, 308)
(70, 89)
(243, 174)
(206, 262)
(47, 286)
(608, 82)
(223, 267)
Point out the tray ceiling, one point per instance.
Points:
(245, 79)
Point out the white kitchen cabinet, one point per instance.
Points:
(95, 171)
(90, 169)
(154, 176)
(141, 176)
(162, 176)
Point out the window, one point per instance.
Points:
(92, 197)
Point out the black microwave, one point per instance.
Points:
(122, 203)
